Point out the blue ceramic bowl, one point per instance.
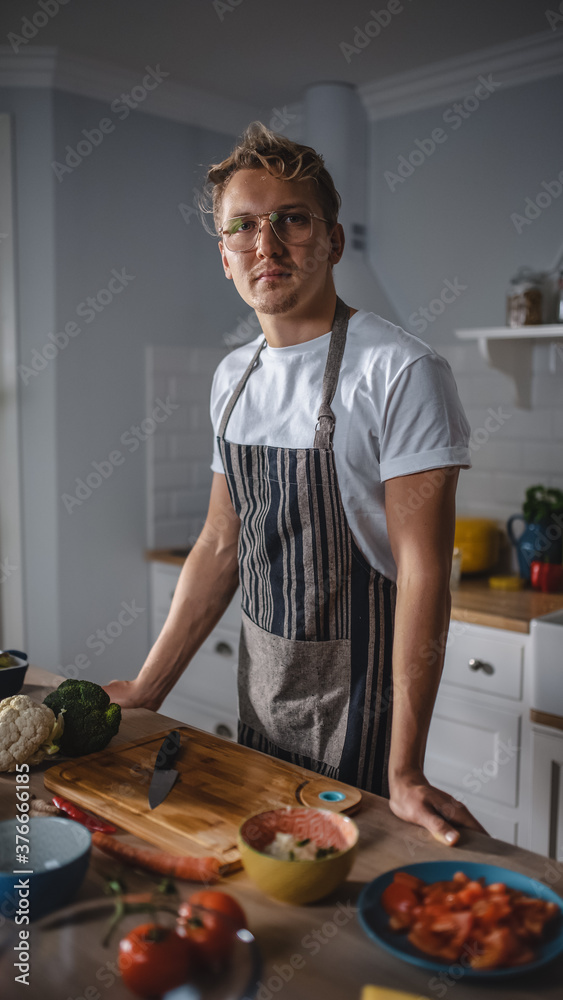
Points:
(59, 853)
(12, 678)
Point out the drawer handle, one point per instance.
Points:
(223, 730)
(224, 648)
(487, 668)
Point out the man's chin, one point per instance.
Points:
(272, 303)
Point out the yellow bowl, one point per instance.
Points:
(298, 881)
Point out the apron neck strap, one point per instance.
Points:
(326, 420)
(230, 405)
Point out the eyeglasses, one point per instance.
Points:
(241, 233)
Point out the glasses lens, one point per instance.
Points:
(290, 227)
(240, 234)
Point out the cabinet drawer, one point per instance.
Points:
(481, 663)
(214, 721)
(163, 584)
(474, 748)
(211, 679)
(223, 643)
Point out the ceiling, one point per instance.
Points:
(265, 52)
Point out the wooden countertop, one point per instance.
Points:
(345, 959)
(473, 601)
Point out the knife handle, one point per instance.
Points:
(168, 751)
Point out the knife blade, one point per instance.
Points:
(164, 774)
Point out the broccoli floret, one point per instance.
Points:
(90, 719)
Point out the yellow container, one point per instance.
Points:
(298, 881)
(478, 540)
(506, 582)
(382, 993)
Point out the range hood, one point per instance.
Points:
(336, 127)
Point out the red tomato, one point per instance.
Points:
(154, 959)
(211, 929)
(399, 900)
(221, 902)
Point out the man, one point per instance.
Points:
(339, 439)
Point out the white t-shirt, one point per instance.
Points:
(396, 406)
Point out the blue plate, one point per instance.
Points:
(375, 921)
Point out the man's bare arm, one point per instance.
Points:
(421, 536)
(206, 585)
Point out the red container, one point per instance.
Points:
(546, 577)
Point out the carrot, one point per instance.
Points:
(186, 867)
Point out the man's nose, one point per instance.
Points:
(267, 242)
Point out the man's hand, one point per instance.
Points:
(415, 800)
(128, 695)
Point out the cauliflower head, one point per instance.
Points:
(29, 731)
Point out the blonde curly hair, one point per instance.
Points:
(259, 147)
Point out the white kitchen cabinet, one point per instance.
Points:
(547, 791)
(206, 694)
(479, 743)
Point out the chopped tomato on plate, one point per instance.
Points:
(491, 926)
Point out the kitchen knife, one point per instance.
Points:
(164, 775)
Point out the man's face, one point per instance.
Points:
(275, 277)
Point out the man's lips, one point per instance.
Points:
(269, 275)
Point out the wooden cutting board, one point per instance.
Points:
(219, 785)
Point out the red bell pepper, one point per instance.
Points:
(546, 577)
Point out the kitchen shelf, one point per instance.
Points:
(509, 350)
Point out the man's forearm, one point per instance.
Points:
(422, 615)
(204, 590)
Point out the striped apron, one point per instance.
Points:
(314, 677)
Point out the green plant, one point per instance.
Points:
(541, 504)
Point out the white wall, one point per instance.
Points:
(117, 209)
(452, 219)
(32, 115)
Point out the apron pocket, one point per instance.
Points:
(296, 694)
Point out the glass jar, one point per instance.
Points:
(524, 301)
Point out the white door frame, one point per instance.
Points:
(12, 619)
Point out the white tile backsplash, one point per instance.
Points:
(179, 454)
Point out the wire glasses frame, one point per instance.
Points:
(291, 234)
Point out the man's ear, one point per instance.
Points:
(337, 241)
(225, 259)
